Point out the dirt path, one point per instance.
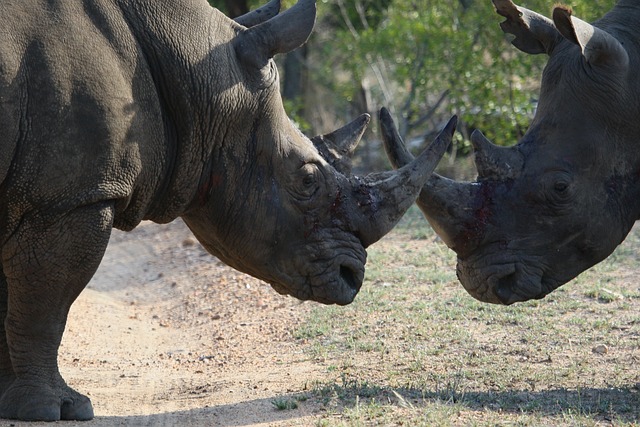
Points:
(167, 335)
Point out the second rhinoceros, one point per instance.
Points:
(567, 194)
(115, 111)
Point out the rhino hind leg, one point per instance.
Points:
(47, 263)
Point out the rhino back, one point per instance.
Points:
(80, 117)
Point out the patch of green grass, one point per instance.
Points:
(415, 349)
(284, 403)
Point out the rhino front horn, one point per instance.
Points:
(447, 204)
(383, 198)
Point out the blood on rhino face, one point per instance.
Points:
(566, 195)
(296, 217)
(277, 205)
(528, 234)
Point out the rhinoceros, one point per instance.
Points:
(118, 111)
(566, 195)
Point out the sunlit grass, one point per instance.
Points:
(415, 349)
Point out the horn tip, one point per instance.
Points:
(477, 136)
(386, 121)
(452, 124)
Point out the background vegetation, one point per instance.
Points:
(422, 59)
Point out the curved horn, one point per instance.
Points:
(448, 205)
(495, 162)
(338, 146)
(533, 32)
(282, 34)
(383, 198)
(598, 47)
(260, 15)
(393, 144)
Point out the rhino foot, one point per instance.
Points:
(5, 383)
(43, 403)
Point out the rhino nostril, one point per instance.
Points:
(349, 277)
(503, 288)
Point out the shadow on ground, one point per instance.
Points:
(621, 404)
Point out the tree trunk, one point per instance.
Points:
(294, 73)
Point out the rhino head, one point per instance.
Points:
(280, 206)
(566, 194)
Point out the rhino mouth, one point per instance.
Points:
(350, 278)
(516, 288)
(342, 286)
(504, 282)
(334, 279)
(350, 283)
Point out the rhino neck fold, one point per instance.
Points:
(176, 51)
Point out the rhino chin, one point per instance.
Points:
(343, 287)
(502, 283)
(338, 283)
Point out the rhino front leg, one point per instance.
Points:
(6, 368)
(46, 265)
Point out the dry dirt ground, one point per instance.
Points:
(167, 335)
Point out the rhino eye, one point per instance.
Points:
(560, 191)
(307, 182)
(557, 190)
(561, 187)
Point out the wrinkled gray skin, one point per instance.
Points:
(567, 194)
(115, 111)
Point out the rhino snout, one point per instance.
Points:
(349, 281)
(501, 283)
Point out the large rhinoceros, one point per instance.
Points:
(115, 111)
(568, 193)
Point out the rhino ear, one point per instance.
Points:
(533, 32)
(281, 34)
(259, 15)
(598, 47)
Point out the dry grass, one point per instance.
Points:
(416, 350)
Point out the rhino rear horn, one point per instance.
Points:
(393, 145)
(260, 15)
(281, 34)
(493, 161)
(533, 32)
(598, 46)
(338, 147)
